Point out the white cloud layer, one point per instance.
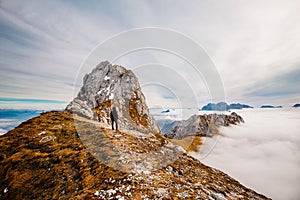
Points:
(263, 153)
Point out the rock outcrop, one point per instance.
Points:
(203, 125)
(44, 158)
(110, 86)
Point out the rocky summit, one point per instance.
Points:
(203, 125)
(74, 155)
(113, 86)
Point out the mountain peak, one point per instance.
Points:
(110, 86)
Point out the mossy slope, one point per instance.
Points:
(44, 158)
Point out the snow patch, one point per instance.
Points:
(161, 191)
(99, 92)
(42, 133)
(106, 78)
(97, 193)
(47, 139)
(119, 197)
(118, 135)
(111, 192)
(217, 196)
(108, 91)
(111, 96)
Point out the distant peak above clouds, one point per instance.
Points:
(223, 106)
(297, 105)
(270, 106)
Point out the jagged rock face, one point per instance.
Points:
(203, 125)
(110, 86)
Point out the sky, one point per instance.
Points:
(254, 46)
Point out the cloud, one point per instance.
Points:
(286, 83)
(42, 46)
(169, 82)
(262, 153)
(274, 89)
(249, 42)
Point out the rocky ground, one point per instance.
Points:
(59, 156)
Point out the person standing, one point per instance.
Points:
(114, 118)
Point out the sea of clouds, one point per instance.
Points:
(262, 154)
(15, 111)
(10, 118)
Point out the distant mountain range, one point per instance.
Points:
(167, 125)
(223, 106)
(269, 106)
(297, 105)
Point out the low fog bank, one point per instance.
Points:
(263, 153)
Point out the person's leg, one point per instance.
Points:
(116, 125)
(112, 124)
